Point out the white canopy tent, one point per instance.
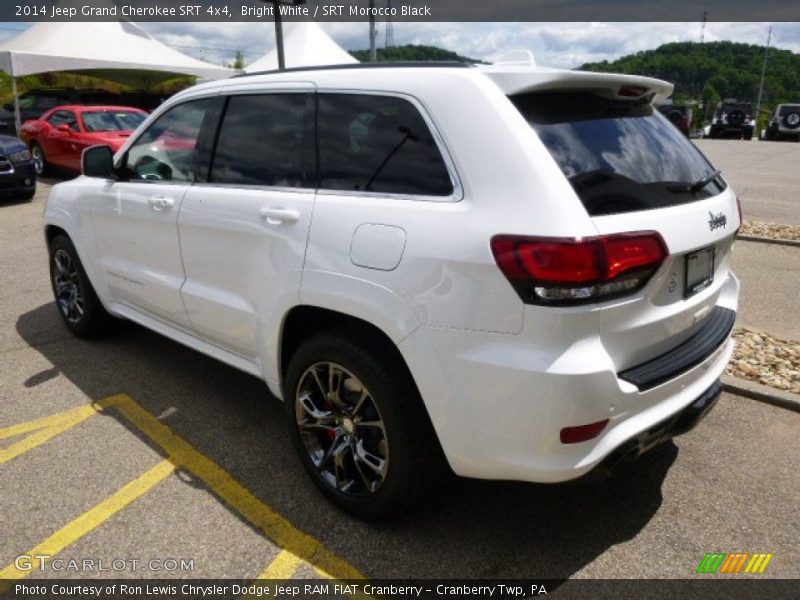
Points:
(119, 51)
(306, 45)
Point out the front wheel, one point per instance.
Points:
(39, 160)
(76, 300)
(359, 425)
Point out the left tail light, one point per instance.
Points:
(558, 271)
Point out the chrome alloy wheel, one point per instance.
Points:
(342, 429)
(38, 159)
(69, 295)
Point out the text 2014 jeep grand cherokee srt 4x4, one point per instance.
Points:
(513, 273)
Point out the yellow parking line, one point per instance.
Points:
(283, 567)
(274, 526)
(47, 428)
(89, 520)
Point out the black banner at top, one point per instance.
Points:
(399, 10)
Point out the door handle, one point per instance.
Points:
(161, 203)
(276, 216)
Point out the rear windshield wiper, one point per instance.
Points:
(704, 181)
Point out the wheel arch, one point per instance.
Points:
(304, 321)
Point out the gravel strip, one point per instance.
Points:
(770, 230)
(766, 359)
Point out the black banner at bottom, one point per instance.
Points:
(750, 588)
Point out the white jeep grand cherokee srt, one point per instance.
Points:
(510, 272)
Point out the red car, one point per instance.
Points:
(57, 139)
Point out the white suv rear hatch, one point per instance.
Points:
(633, 171)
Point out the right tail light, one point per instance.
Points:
(558, 271)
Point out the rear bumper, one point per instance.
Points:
(498, 402)
(678, 424)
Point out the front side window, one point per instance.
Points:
(64, 117)
(378, 144)
(262, 141)
(620, 156)
(170, 148)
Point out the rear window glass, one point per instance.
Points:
(787, 110)
(379, 144)
(619, 156)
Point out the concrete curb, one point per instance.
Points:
(760, 392)
(766, 240)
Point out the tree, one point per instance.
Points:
(238, 61)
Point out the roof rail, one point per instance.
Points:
(379, 65)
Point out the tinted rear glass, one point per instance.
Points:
(789, 109)
(261, 141)
(619, 156)
(378, 144)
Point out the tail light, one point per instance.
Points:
(570, 271)
(582, 433)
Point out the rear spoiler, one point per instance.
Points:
(522, 80)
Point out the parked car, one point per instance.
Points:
(35, 103)
(678, 115)
(511, 273)
(62, 134)
(17, 174)
(733, 119)
(784, 123)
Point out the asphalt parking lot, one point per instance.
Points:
(764, 175)
(135, 448)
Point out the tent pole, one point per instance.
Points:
(279, 36)
(17, 115)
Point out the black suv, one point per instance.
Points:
(678, 115)
(784, 123)
(733, 119)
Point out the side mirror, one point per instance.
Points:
(64, 127)
(98, 161)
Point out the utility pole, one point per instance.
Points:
(763, 74)
(703, 32)
(279, 36)
(389, 41)
(373, 33)
(279, 27)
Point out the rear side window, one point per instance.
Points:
(378, 144)
(262, 141)
(619, 156)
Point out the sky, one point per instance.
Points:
(565, 45)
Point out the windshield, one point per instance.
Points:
(117, 120)
(619, 156)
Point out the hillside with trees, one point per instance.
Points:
(714, 70)
(412, 52)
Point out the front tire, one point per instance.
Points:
(39, 161)
(76, 300)
(359, 425)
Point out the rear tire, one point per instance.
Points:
(76, 300)
(336, 384)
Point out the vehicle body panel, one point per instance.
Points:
(499, 378)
